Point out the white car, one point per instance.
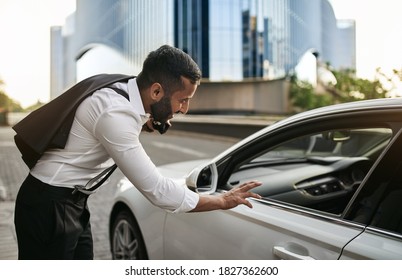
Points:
(332, 189)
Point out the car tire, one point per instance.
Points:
(127, 242)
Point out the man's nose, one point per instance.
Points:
(184, 108)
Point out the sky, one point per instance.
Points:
(25, 46)
(378, 34)
(25, 41)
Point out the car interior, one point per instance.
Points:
(320, 171)
(379, 202)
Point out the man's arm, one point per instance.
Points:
(228, 199)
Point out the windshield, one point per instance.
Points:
(339, 143)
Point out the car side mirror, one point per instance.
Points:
(203, 179)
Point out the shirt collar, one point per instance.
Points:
(135, 99)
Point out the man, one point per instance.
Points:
(51, 219)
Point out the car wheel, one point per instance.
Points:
(127, 241)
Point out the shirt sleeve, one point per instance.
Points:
(118, 131)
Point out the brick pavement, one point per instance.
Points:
(13, 171)
(8, 244)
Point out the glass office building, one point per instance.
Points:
(231, 40)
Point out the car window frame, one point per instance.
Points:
(366, 119)
(379, 172)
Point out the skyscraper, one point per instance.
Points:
(231, 40)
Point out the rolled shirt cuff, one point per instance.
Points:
(189, 202)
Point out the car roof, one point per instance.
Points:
(381, 103)
(363, 105)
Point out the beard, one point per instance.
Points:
(162, 110)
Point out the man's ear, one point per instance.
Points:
(156, 92)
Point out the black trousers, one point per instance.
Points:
(51, 223)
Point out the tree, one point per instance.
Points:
(346, 89)
(6, 103)
(303, 96)
(351, 88)
(392, 81)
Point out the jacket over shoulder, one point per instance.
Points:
(49, 126)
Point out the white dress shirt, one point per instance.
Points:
(107, 126)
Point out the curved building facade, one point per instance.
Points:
(231, 40)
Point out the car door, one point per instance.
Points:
(379, 206)
(302, 213)
(268, 231)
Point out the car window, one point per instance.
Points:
(345, 143)
(378, 204)
(319, 171)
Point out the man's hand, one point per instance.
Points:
(228, 200)
(239, 194)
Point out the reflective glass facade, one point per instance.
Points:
(191, 29)
(229, 39)
(133, 28)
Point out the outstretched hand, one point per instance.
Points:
(238, 195)
(229, 199)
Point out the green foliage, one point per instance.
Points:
(392, 81)
(347, 89)
(352, 88)
(303, 96)
(8, 104)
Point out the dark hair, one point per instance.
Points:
(167, 65)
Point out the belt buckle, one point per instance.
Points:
(81, 189)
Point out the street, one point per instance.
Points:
(172, 147)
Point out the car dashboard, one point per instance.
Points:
(318, 183)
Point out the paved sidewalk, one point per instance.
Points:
(12, 172)
(8, 243)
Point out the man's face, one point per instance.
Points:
(162, 110)
(176, 103)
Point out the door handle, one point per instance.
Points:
(285, 254)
